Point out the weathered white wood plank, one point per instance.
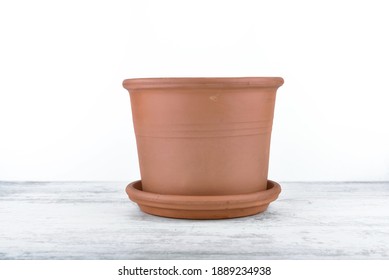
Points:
(84, 220)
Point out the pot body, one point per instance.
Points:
(203, 136)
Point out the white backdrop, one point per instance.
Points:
(65, 116)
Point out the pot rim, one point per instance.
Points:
(203, 82)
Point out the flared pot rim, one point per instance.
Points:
(203, 82)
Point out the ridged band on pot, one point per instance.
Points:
(203, 136)
(203, 207)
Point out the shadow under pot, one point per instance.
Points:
(203, 145)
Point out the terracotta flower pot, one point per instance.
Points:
(203, 145)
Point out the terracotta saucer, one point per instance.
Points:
(203, 207)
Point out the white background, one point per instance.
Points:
(65, 116)
(280, 269)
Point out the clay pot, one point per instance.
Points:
(203, 145)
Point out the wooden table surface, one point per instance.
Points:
(95, 220)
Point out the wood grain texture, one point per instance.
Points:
(95, 220)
